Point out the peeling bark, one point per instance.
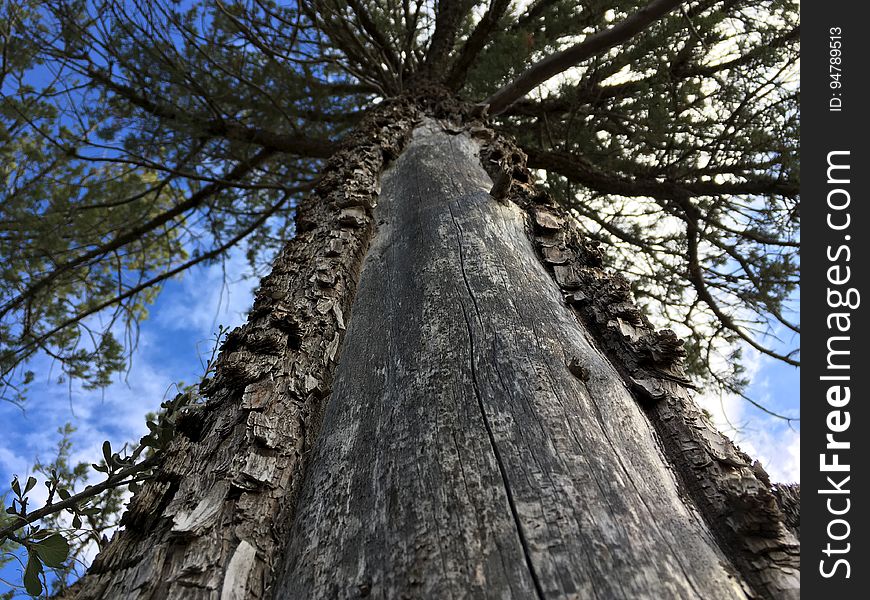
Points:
(788, 497)
(214, 520)
(498, 417)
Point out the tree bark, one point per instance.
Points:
(497, 419)
(211, 523)
(478, 441)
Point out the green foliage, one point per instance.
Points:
(43, 547)
(136, 160)
(101, 202)
(59, 540)
(57, 536)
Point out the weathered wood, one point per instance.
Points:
(503, 422)
(788, 497)
(730, 490)
(476, 442)
(216, 517)
(755, 523)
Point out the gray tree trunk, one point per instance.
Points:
(496, 420)
(477, 441)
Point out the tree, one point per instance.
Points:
(665, 136)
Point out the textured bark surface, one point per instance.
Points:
(502, 422)
(213, 521)
(477, 443)
(732, 491)
(755, 523)
(788, 496)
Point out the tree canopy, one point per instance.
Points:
(141, 139)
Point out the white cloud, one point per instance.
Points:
(764, 437)
(218, 294)
(13, 463)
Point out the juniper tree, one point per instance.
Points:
(463, 201)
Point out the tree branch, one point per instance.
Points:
(696, 278)
(448, 19)
(211, 254)
(89, 492)
(583, 172)
(376, 35)
(475, 43)
(291, 144)
(561, 61)
(131, 235)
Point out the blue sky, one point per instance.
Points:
(174, 344)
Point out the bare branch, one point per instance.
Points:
(475, 43)
(591, 46)
(696, 278)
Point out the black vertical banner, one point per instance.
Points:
(835, 299)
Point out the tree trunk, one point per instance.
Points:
(213, 520)
(477, 441)
(501, 422)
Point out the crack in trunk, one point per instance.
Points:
(445, 471)
(496, 454)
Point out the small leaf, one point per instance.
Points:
(31, 481)
(120, 462)
(53, 550)
(107, 452)
(40, 534)
(16, 487)
(63, 493)
(32, 584)
(76, 522)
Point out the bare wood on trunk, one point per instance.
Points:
(753, 522)
(477, 443)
